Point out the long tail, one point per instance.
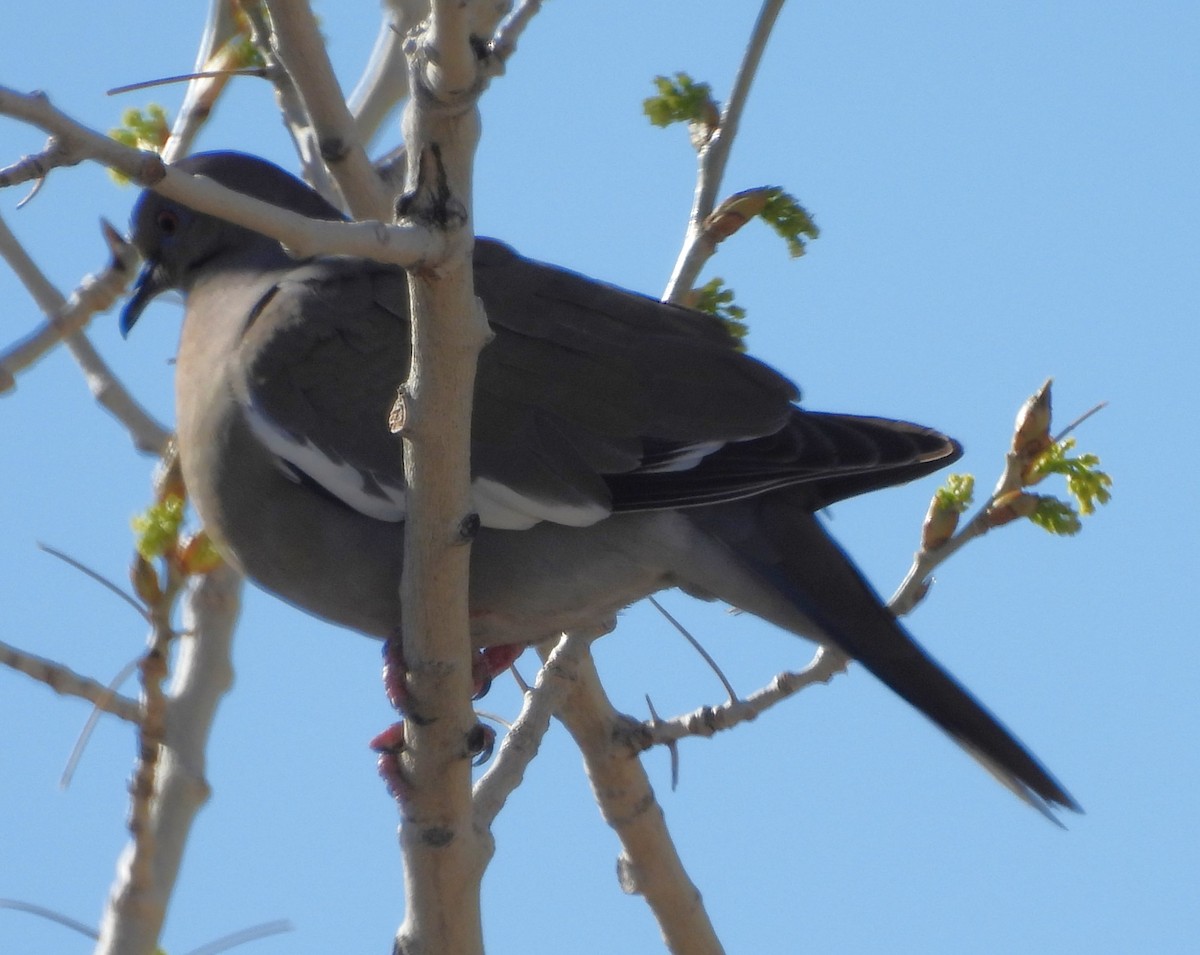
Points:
(836, 605)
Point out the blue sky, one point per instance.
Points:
(1006, 192)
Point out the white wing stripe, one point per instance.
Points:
(683, 458)
(344, 481)
(499, 506)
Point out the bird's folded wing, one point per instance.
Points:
(584, 380)
(588, 399)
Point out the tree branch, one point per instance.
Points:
(384, 82)
(523, 739)
(132, 921)
(504, 45)
(714, 157)
(202, 92)
(66, 319)
(408, 244)
(297, 43)
(706, 721)
(444, 851)
(1031, 436)
(69, 683)
(649, 865)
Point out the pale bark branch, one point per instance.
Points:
(650, 865)
(450, 69)
(384, 82)
(202, 92)
(444, 851)
(509, 33)
(706, 721)
(66, 320)
(298, 44)
(67, 682)
(524, 738)
(132, 921)
(291, 107)
(408, 244)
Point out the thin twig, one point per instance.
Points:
(709, 720)
(90, 724)
(672, 748)
(66, 318)
(95, 293)
(1079, 421)
(291, 106)
(915, 584)
(37, 167)
(97, 577)
(216, 52)
(697, 647)
(257, 71)
(242, 936)
(50, 915)
(713, 158)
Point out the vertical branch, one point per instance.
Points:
(444, 853)
(202, 92)
(714, 157)
(384, 82)
(301, 51)
(133, 918)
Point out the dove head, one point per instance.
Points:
(176, 241)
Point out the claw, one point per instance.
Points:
(480, 744)
(490, 662)
(395, 672)
(391, 740)
(389, 745)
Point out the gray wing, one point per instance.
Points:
(320, 360)
(585, 380)
(588, 399)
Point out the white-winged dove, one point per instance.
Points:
(620, 446)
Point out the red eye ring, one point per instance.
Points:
(167, 222)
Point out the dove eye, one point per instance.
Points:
(167, 222)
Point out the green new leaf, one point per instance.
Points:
(957, 493)
(1055, 516)
(713, 297)
(148, 130)
(680, 100)
(1085, 481)
(244, 54)
(791, 220)
(157, 528)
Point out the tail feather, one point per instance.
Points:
(836, 605)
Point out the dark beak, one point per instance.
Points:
(150, 282)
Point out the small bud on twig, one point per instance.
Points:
(1010, 507)
(144, 578)
(1031, 434)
